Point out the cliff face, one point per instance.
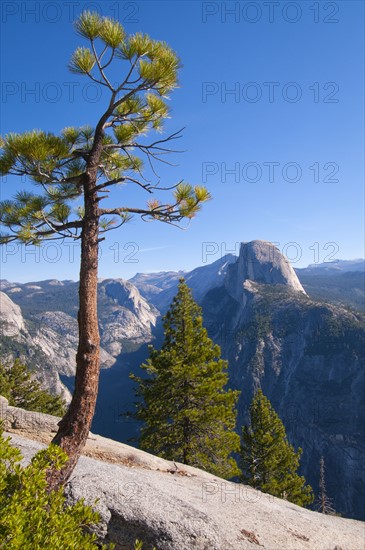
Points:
(46, 342)
(307, 357)
(38, 324)
(262, 262)
(11, 316)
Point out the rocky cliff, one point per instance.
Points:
(38, 324)
(46, 342)
(307, 356)
(261, 262)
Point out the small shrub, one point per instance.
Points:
(30, 517)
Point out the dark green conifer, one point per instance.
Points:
(269, 462)
(188, 414)
(19, 386)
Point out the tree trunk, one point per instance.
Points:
(75, 425)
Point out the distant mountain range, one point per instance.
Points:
(342, 266)
(339, 282)
(160, 288)
(300, 335)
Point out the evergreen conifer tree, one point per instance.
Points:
(18, 385)
(188, 414)
(85, 164)
(269, 462)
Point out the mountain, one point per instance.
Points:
(260, 262)
(164, 284)
(150, 284)
(341, 282)
(39, 325)
(342, 266)
(171, 506)
(126, 319)
(307, 354)
(308, 357)
(291, 333)
(46, 342)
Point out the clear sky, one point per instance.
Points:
(271, 98)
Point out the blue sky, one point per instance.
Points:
(271, 98)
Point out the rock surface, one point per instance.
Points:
(260, 262)
(309, 360)
(38, 324)
(175, 507)
(11, 318)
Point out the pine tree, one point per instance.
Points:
(269, 462)
(323, 503)
(86, 163)
(187, 413)
(18, 385)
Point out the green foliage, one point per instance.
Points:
(259, 326)
(138, 545)
(32, 518)
(187, 413)
(269, 462)
(338, 334)
(21, 389)
(58, 165)
(82, 61)
(346, 289)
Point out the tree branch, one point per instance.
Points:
(107, 83)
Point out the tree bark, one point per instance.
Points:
(75, 425)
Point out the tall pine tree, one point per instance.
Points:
(73, 171)
(188, 414)
(269, 462)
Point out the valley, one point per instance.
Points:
(297, 335)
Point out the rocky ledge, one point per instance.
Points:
(175, 507)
